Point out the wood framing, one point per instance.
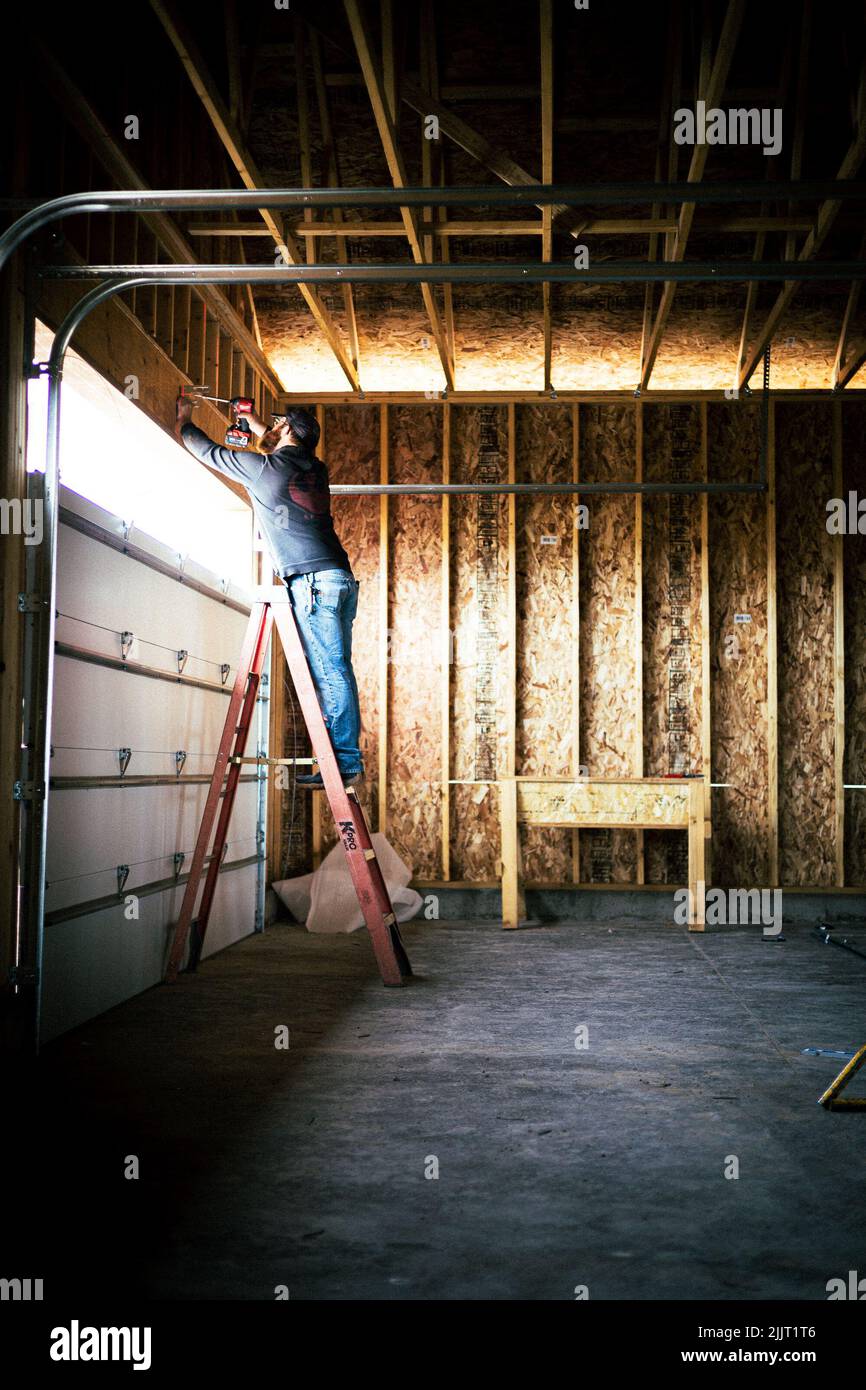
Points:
(546, 26)
(638, 621)
(384, 630)
(575, 628)
(333, 176)
(772, 662)
(445, 652)
(712, 96)
(233, 141)
(839, 656)
(164, 230)
(360, 230)
(827, 215)
(634, 803)
(706, 703)
(511, 601)
(396, 168)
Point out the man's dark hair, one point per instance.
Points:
(305, 428)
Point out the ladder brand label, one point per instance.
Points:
(347, 830)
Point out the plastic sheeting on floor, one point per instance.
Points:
(325, 900)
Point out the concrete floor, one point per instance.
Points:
(557, 1167)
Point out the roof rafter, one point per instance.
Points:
(853, 365)
(545, 14)
(433, 163)
(496, 160)
(664, 145)
(796, 164)
(826, 217)
(228, 132)
(118, 168)
(842, 372)
(349, 228)
(379, 100)
(712, 95)
(333, 175)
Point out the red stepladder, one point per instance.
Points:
(272, 607)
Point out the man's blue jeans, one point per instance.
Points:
(324, 603)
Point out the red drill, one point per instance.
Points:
(238, 435)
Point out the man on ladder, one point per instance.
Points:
(288, 487)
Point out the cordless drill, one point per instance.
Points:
(238, 435)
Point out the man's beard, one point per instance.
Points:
(270, 441)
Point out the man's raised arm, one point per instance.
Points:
(244, 465)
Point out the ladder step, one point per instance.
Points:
(389, 919)
(369, 854)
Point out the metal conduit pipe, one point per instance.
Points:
(480, 195)
(492, 273)
(531, 489)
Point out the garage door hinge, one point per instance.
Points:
(31, 603)
(27, 791)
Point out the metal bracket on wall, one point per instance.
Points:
(126, 641)
(123, 757)
(122, 876)
(179, 760)
(178, 858)
(182, 658)
(31, 603)
(27, 791)
(224, 671)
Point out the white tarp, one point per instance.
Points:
(325, 900)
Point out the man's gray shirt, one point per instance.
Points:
(290, 496)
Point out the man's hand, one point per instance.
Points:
(184, 410)
(255, 422)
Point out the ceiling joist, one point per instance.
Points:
(814, 241)
(378, 95)
(228, 132)
(119, 169)
(712, 95)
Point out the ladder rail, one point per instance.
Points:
(273, 609)
(230, 790)
(347, 811)
(249, 647)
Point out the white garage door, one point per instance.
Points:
(116, 832)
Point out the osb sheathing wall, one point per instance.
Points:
(481, 640)
(610, 675)
(546, 630)
(672, 449)
(854, 551)
(568, 660)
(738, 649)
(804, 559)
